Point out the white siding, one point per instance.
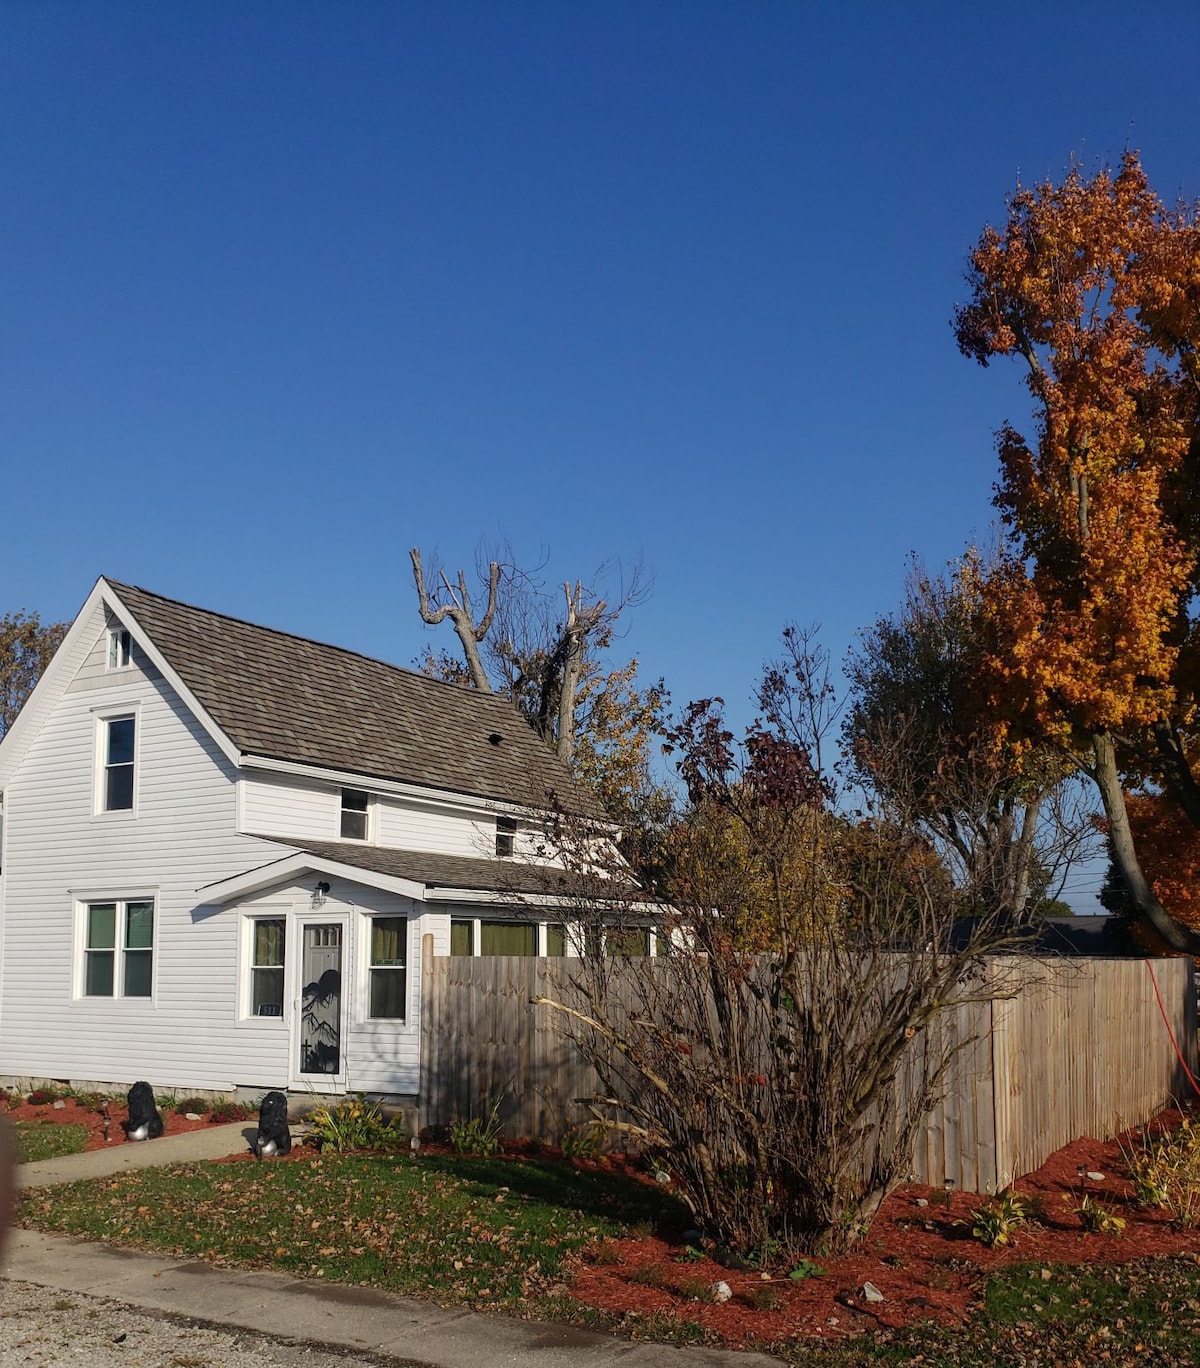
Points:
(409, 825)
(380, 1056)
(303, 809)
(94, 672)
(59, 850)
(287, 805)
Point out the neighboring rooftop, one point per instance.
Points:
(289, 698)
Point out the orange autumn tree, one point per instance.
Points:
(1094, 285)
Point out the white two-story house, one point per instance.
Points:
(223, 846)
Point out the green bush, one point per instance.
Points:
(353, 1124)
(479, 1135)
(998, 1218)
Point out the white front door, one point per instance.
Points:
(319, 1014)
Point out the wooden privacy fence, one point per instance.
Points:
(1066, 1048)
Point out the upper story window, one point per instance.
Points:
(355, 812)
(120, 649)
(118, 956)
(118, 743)
(506, 832)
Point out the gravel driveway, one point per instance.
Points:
(39, 1325)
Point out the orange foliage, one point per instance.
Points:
(1169, 851)
(1095, 285)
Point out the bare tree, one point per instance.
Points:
(456, 606)
(780, 1058)
(533, 645)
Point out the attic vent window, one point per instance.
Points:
(495, 738)
(506, 830)
(120, 649)
(355, 806)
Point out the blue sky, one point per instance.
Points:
(288, 288)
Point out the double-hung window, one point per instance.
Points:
(117, 739)
(506, 835)
(388, 973)
(355, 813)
(118, 956)
(267, 948)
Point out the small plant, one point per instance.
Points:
(1095, 1218)
(764, 1297)
(606, 1254)
(650, 1275)
(39, 1097)
(225, 1112)
(997, 1219)
(690, 1254)
(583, 1142)
(697, 1289)
(167, 1101)
(806, 1269)
(1165, 1171)
(193, 1104)
(353, 1124)
(478, 1135)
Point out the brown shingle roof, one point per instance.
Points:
(442, 871)
(289, 698)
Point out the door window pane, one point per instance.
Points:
(556, 940)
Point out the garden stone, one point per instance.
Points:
(721, 1291)
(1096, 1177)
(191, 1116)
(871, 1292)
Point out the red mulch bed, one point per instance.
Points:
(71, 1113)
(922, 1258)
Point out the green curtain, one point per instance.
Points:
(461, 938)
(507, 938)
(387, 940)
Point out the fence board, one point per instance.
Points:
(1066, 1048)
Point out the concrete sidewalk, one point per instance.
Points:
(359, 1319)
(209, 1142)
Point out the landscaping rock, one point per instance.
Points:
(1095, 1177)
(721, 1291)
(60, 1105)
(871, 1293)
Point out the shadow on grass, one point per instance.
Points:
(594, 1192)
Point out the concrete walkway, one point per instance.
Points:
(209, 1142)
(359, 1319)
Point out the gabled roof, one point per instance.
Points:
(285, 697)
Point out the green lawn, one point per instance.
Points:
(483, 1231)
(494, 1234)
(37, 1140)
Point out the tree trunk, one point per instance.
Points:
(1108, 780)
(1177, 773)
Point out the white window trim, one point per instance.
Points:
(361, 1019)
(112, 648)
(369, 838)
(250, 915)
(114, 712)
(362, 1012)
(83, 899)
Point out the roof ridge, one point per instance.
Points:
(118, 585)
